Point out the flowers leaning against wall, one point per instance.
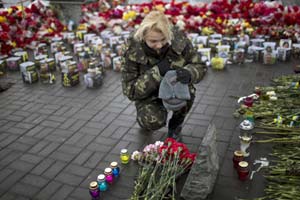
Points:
(161, 163)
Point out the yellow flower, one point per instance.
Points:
(82, 27)
(217, 63)
(9, 10)
(207, 31)
(219, 20)
(14, 44)
(20, 7)
(50, 30)
(2, 19)
(130, 15)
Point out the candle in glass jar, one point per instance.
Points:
(248, 101)
(94, 190)
(243, 170)
(115, 169)
(237, 157)
(124, 156)
(108, 175)
(102, 183)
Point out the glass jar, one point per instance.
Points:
(124, 156)
(102, 185)
(115, 169)
(243, 170)
(108, 175)
(246, 128)
(248, 101)
(94, 190)
(249, 116)
(237, 157)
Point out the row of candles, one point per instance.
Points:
(108, 177)
(246, 127)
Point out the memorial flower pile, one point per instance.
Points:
(220, 16)
(277, 121)
(20, 26)
(161, 164)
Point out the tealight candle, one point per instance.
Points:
(243, 170)
(237, 157)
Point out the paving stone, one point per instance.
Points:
(31, 158)
(62, 156)
(21, 165)
(42, 166)
(40, 145)
(85, 140)
(48, 191)
(35, 130)
(45, 132)
(108, 131)
(49, 123)
(69, 149)
(54, 169)
(225, 112)
(97, 125)
(34, 180)
(120, 132)
(11, 180)
(120, 145)
(99, 147)
(94, 160)
(109, 117)
(16, 130)
(68, 123)
(62, 110)
(79, 124)
(18, 146)
(71, 112)
(90, 131)
(69, 179)
(63, 192)
(100, 116)
(77, 170)
(9, 138)
(75, 138)
(5, 173)
(82, 157)
(7, 126)
(80, 193)
(57, 118)
(49, 149)
(15, 118)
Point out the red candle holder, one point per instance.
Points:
(237, 157)
(243, 170)
(248, 101)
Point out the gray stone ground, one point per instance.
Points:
(55, 140)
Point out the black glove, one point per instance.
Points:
(183, 76)
(164, 66)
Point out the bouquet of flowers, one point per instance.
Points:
(162, 163)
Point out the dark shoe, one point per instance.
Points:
(175, 133)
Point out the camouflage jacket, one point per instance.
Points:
(140, 74)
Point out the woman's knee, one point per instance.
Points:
(151, 118)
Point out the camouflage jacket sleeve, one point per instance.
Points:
(138, 86)
(194, 64)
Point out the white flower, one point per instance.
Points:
(136, 155)
(158, 144)
(273, 98)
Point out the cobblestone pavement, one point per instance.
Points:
(55, 140)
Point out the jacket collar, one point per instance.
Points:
(136, 53)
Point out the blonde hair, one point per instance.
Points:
(154, 21)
